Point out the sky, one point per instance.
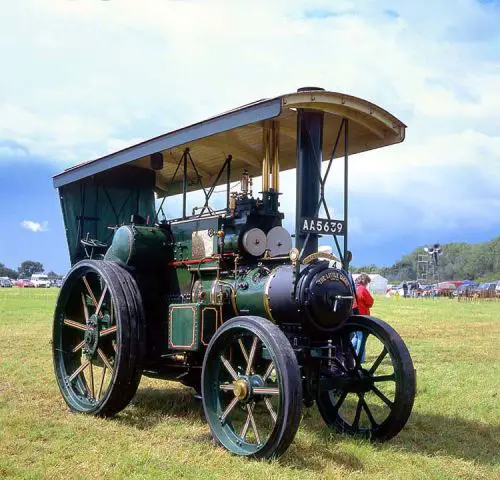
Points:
(82, 78)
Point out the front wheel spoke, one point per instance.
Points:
(227, 387)
(105, 360)
(357, 415)
(339, 364)
(266, 390)
(108, 331)
(79, 346)
(229, 409)
(368, 412)
(382, 397)
(385, 378)
(251, 356)
(254, 425)
(102, 383)
(229, 367)
(340, 401)
(269, 406)
(82, 367)
(73, 324)
(381, 357)
(355, 355)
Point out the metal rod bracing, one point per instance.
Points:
(266, 159)
(275, 152)
(184, 184)
(345, 260)
(171, 181)
(198, 176)
(228, 181)
(226, 163)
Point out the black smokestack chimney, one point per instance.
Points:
(309, 156)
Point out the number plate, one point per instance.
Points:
(322, 226)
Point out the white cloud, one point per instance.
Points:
(35, 226)
(111, 73)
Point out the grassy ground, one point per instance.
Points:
(454, 431)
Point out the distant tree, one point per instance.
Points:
(29, 267)
(7, 272)
(53, 275)
(458, 261)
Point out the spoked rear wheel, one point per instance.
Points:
(252, 391)
(369, 388)
(98, 338)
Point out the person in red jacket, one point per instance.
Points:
(362, 303)
(364, 297)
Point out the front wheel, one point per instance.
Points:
(252, 390)
(369, 387)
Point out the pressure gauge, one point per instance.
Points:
(294, 254)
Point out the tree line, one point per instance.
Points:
(25, 270)
(458, 261)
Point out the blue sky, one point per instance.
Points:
(85, 78)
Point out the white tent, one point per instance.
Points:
(378, 284)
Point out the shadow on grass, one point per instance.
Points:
(426, 434)
(150, 404)
(430, 434)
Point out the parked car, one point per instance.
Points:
(5, 282)
(486, 290)
(25, 283)
(444, 289)
(465, 290)
(40, 280)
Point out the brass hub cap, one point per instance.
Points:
(240, 389)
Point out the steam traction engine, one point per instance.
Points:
(225, 300)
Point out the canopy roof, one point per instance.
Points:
(239, 132)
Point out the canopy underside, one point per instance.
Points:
(210, 142)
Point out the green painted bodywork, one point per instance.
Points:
(192, 325)
(139, 245)
(250, 293)
(184, 326)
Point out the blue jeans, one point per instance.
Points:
(357, 342)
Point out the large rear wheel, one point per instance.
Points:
(98, 338)
(252, 391)
(368, 388)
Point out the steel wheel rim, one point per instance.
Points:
(245, 387)
(86, 340)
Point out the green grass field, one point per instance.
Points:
(454, 431)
